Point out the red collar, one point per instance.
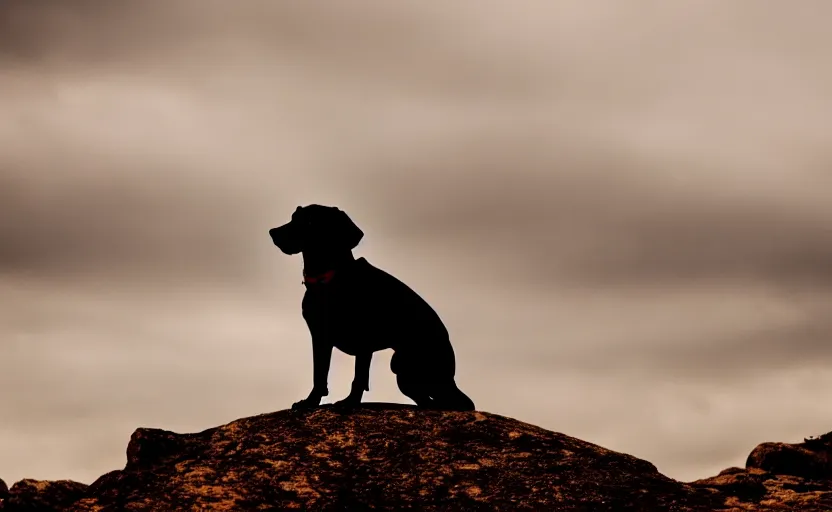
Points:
(319, 279)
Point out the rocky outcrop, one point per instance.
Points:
(384, 456)
(811, 459)
(780, 476)
(745, 485)
(43, 495)
(396, 457)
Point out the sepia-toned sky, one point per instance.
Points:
(622, 212)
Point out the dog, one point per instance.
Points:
(360, 309)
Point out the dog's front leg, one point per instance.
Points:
(361, 381)
(321, 359)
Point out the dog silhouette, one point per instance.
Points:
(359, 309)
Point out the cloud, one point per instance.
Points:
(607, 218)
(618, 211)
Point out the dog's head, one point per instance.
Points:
(316, 228)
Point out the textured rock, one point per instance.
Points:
(390, 457)
(779, 476)
(810, 459)
(396, 457)
(43, 495)
(738, 482)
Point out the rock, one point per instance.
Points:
(397, 457)
(390, 457)
(732, 471)
(43, 495)
(4, 492)
(151, 447)
(779, 476)
(736, 482)
(811, 459)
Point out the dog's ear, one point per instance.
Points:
(347, 233)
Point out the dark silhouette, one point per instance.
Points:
(359, 309)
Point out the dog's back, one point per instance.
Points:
(366, 303)
(398, 301)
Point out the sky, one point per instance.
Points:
(622, 212)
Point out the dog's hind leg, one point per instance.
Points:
(414, 390)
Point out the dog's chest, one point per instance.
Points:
(350, 321)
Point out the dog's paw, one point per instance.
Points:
(305, 405)
(348, 402)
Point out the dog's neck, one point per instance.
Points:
(323, 265)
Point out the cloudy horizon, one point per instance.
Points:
(621, 212)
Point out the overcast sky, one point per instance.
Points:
(622, 212)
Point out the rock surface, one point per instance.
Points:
(390, 458)
(811, 459)
(395, 457)
(43, 495)
(780, 476)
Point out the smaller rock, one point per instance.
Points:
(736, 482)
(152, 446)
(812, 460)
(44, 495)
(732, 471)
